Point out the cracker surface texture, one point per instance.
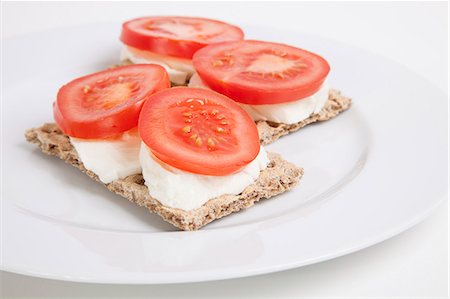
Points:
(279, 176)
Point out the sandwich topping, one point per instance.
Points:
(179, 69)
(185, 190)
(172, 41)
(100, 113)
(286, 113)
(272, 81)
(197, 145)
(110, 158)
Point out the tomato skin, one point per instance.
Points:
(161, 127)
(78, 118)
(133, 34)
(256, 96)
(237, 82)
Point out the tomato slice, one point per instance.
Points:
(257, 73)
(199, 131)
(176, 36)
(107, 103)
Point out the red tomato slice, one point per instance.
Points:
(256, 72)
(108, 102)
(176, 36)
(199, 131)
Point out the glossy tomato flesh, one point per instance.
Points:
(176, 36)
(257, 73)
(107, 103)
(199, 131)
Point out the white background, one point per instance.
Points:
(413, 264)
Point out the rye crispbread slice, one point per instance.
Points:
(278, 177)
(270, 131)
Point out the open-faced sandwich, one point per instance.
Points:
(190, 155)
(171, 41)
(283, 88)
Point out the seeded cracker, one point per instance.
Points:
(270, 131)
(280, 176)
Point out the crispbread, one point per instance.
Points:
(278, 177)
(270, 131)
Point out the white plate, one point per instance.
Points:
(371, 173)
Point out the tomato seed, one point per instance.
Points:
(86, 89)
(211, 142)
(217, 63)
